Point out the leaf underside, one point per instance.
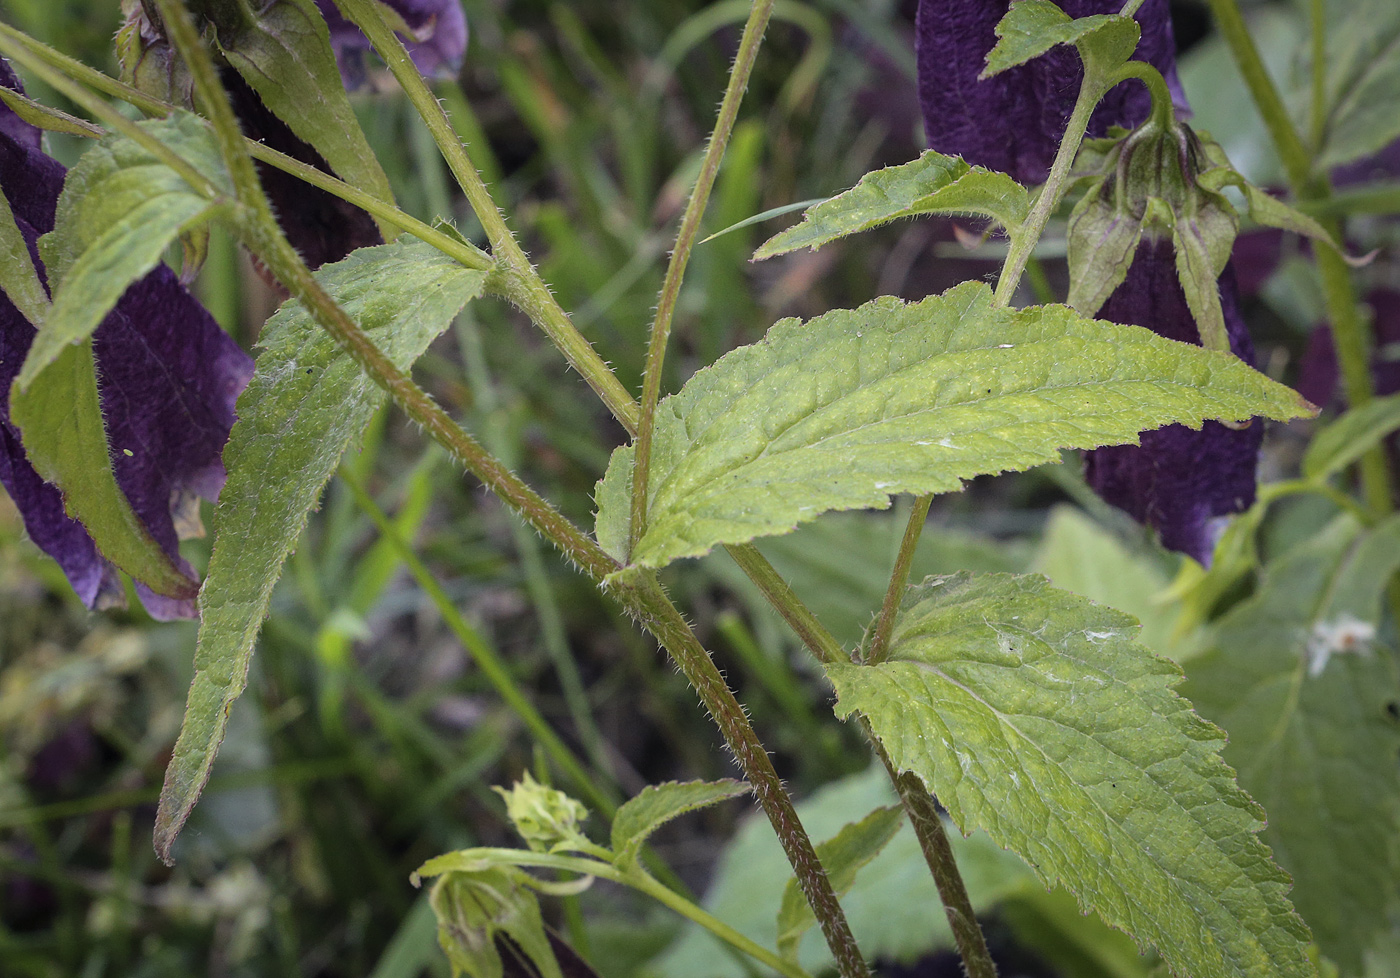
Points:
(848, 409)
(1033, 714)
(306, 403)
(1296, 677)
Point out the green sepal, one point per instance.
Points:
(60, 421)
(472, 908)
(19, 280)
(119, 210)
(1102, 243)
(1203, 242)
(842, 856)
(1032, 27)
(285, 56)
(546, 818)
(932, 184)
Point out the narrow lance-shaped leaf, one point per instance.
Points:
(307, 401)
(1305, 686)
(857, 405)
(120, 209)
(285, 56)
(932, 184)
(18, 278)
(842, 856)
(1033, 714)
(657, 804)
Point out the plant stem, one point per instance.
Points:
(468, 254)
(1349, 333)
(660, 617)
(899, 581)
(485, 657)
(638, 880)
(518, 279)
(1318, 103)
(938, 853)
(780, 595)
(680, 256)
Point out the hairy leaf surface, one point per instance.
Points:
(305, 404)
(1034, 714)
(932, 184)
(860, 404)
(120, 209)
(1032, 27)
(1308, 694)
(842, 856)
(657, 804)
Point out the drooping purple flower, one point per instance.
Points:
(438, 45)
(1014, 121)
(168, 378)
(1179, 481)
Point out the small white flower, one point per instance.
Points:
(1345, 633)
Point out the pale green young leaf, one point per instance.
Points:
(932, 184)
(285, 56)
(1301, 681)
(657, 804)
(855, 406)
(305, 404)
(842, 856)
(1032, 27)
(1363, 81)
(1352, 435)
(60, 422)
(1034, 714)
(119, 210)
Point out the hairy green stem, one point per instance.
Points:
(899, 580)
(519, 281)
(645, 599)
(1317, 116)
(749, 44)
(779, 593)
(1349, 332)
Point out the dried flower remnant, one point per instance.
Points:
(168, 376)
(1014, 122)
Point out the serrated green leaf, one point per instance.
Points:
(1032, 27)
(860, 404)
(657, 804)
(1352, 435)
(286, 57)
(1300, 681)
(18, 278)
(893, 906)
(1363, 80)
(60, 422)
(119, 210)
(1032, 713)
(842, 856)
(307, 401)
(932, 184)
